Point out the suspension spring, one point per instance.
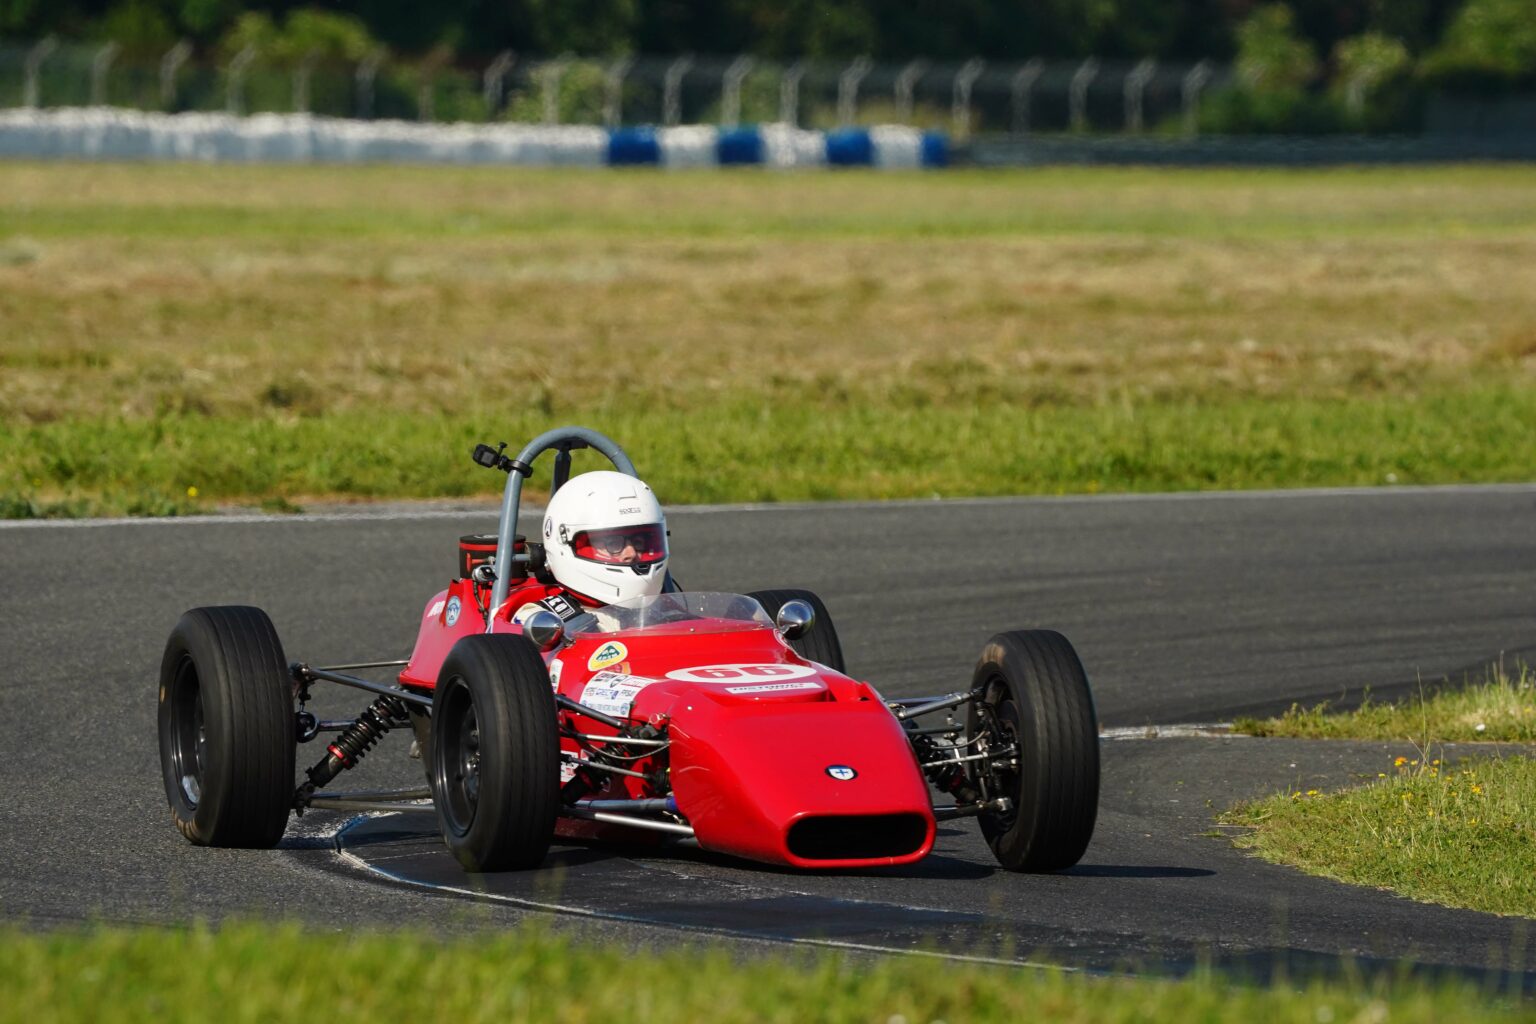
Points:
(355, 741)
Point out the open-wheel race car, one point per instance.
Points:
(722, 721)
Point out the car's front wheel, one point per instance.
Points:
(1036, 723)
(227, 734)
(494, 758)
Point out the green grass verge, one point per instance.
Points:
(279, 973)
(1499, 706)
(1459, 835)
(739, 452)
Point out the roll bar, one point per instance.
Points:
(562, 440)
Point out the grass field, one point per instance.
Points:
(177, 335)
(1458, 833)
(260, 973)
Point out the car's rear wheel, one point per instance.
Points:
(494, 754)
(1036, 717)
(227, 731)
(819, 643)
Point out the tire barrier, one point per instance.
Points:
(100, 133)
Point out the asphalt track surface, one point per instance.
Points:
(1186, 608)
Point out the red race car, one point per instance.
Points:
(568, 686)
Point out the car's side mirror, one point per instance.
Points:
(795, 618)
(544, 628)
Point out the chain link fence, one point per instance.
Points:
(963, 98)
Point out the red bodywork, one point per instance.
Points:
(760, 737)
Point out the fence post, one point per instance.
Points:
(1355, 90)
(367, 72)
(848, 90)
(1077, 97)
(171, 63)
(613, 90)
(730, 90)
(1135, 92)
(234, 79)
(494, 81)
(906, 81)
(302, 73)
(789, 94)
(960, 113)
(1194, 80)
(1022, 86)
(100, 65)
(33, 67)
(672, 90)
(551, 72)
(426, 88)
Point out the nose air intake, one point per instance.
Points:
(857, 836)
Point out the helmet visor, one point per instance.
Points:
(622, 545)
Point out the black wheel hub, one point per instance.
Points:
(457, 766)
(189, 735)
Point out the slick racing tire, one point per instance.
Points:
(1036, 702)
(495, 754)
(819, 643)
(227, 731)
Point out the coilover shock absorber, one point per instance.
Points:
(355, 741)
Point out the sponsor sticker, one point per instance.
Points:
(619, 675)
(612, 693)
(451, 613)
(435, 610)
(610, 653)
(555, 668)
(841, 772)
(773, 687)
(741, 673)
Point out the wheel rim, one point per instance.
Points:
(1002, 732)
(189, 734)
(457, 765)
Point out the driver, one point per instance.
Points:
(605, 541)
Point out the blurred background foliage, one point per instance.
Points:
(1306, 66)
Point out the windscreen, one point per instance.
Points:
(659, 609)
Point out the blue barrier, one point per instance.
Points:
(850, 147)
(629, 146)
(935, 149)
(739, 146)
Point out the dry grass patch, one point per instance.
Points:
(102, 326)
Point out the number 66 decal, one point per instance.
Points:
(741, 673)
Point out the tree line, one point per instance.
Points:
(1497, 35)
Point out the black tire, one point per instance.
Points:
(227, 729)
(495, 754)
(1037, 698)
(819, 643)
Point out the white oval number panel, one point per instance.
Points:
(741, 673)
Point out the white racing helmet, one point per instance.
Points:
(605, 537)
